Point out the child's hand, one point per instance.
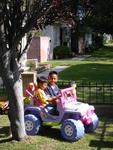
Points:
(59, 95)
(57, 98)
(5, 105)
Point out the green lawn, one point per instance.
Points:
(101, 139)
(97, 68)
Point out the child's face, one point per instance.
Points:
(43, 85)
(53, 79)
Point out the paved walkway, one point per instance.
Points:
(57, 69)
(80, 57)
(61, 68)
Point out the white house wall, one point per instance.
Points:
(54, 33)
(88, 38)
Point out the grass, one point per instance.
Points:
(96, 68)
(51, 139)
(87, 71)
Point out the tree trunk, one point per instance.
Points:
(74, 41)
(10, 74)
(81, 45)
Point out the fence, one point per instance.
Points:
(93, 93)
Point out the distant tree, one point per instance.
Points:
(101, 17)
(81, 10)
(18, 17)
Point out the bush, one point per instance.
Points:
(62, 52)
(94, 47)
(32, 64)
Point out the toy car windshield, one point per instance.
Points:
(68, 96)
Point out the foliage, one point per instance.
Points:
(18, 17)
(62, 52)
(32, 64)
(93, 47)
(27, 100)
(101, 16)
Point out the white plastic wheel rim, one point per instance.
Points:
(68, 130)
(28, 125)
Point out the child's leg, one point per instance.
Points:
(52, 109)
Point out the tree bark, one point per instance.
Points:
(10, 74)
(74, 41)
(81, 45)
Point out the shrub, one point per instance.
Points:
(62, 52)
(32, 64)
(94, 47)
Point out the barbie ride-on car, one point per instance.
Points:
(75, 118)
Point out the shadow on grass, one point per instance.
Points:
(49, 132)
(94, 72)
(5, 140)
(4, 131)
(53, 133)
(102, 143)
(4, 134)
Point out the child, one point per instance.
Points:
(52, 88)
(42, 98)
(29, 93)
(32, 87)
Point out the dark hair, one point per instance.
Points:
(42, 79)
(52, 72)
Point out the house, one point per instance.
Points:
(43, 42)
(41, 47)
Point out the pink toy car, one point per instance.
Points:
(75, 118)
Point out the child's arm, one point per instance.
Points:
(5, 105)
(42, 98)
(54, 98)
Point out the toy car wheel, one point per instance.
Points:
(72, 130)
(32, 124)
(92, 126)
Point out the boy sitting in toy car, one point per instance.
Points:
(52, 88)
(42, 98)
